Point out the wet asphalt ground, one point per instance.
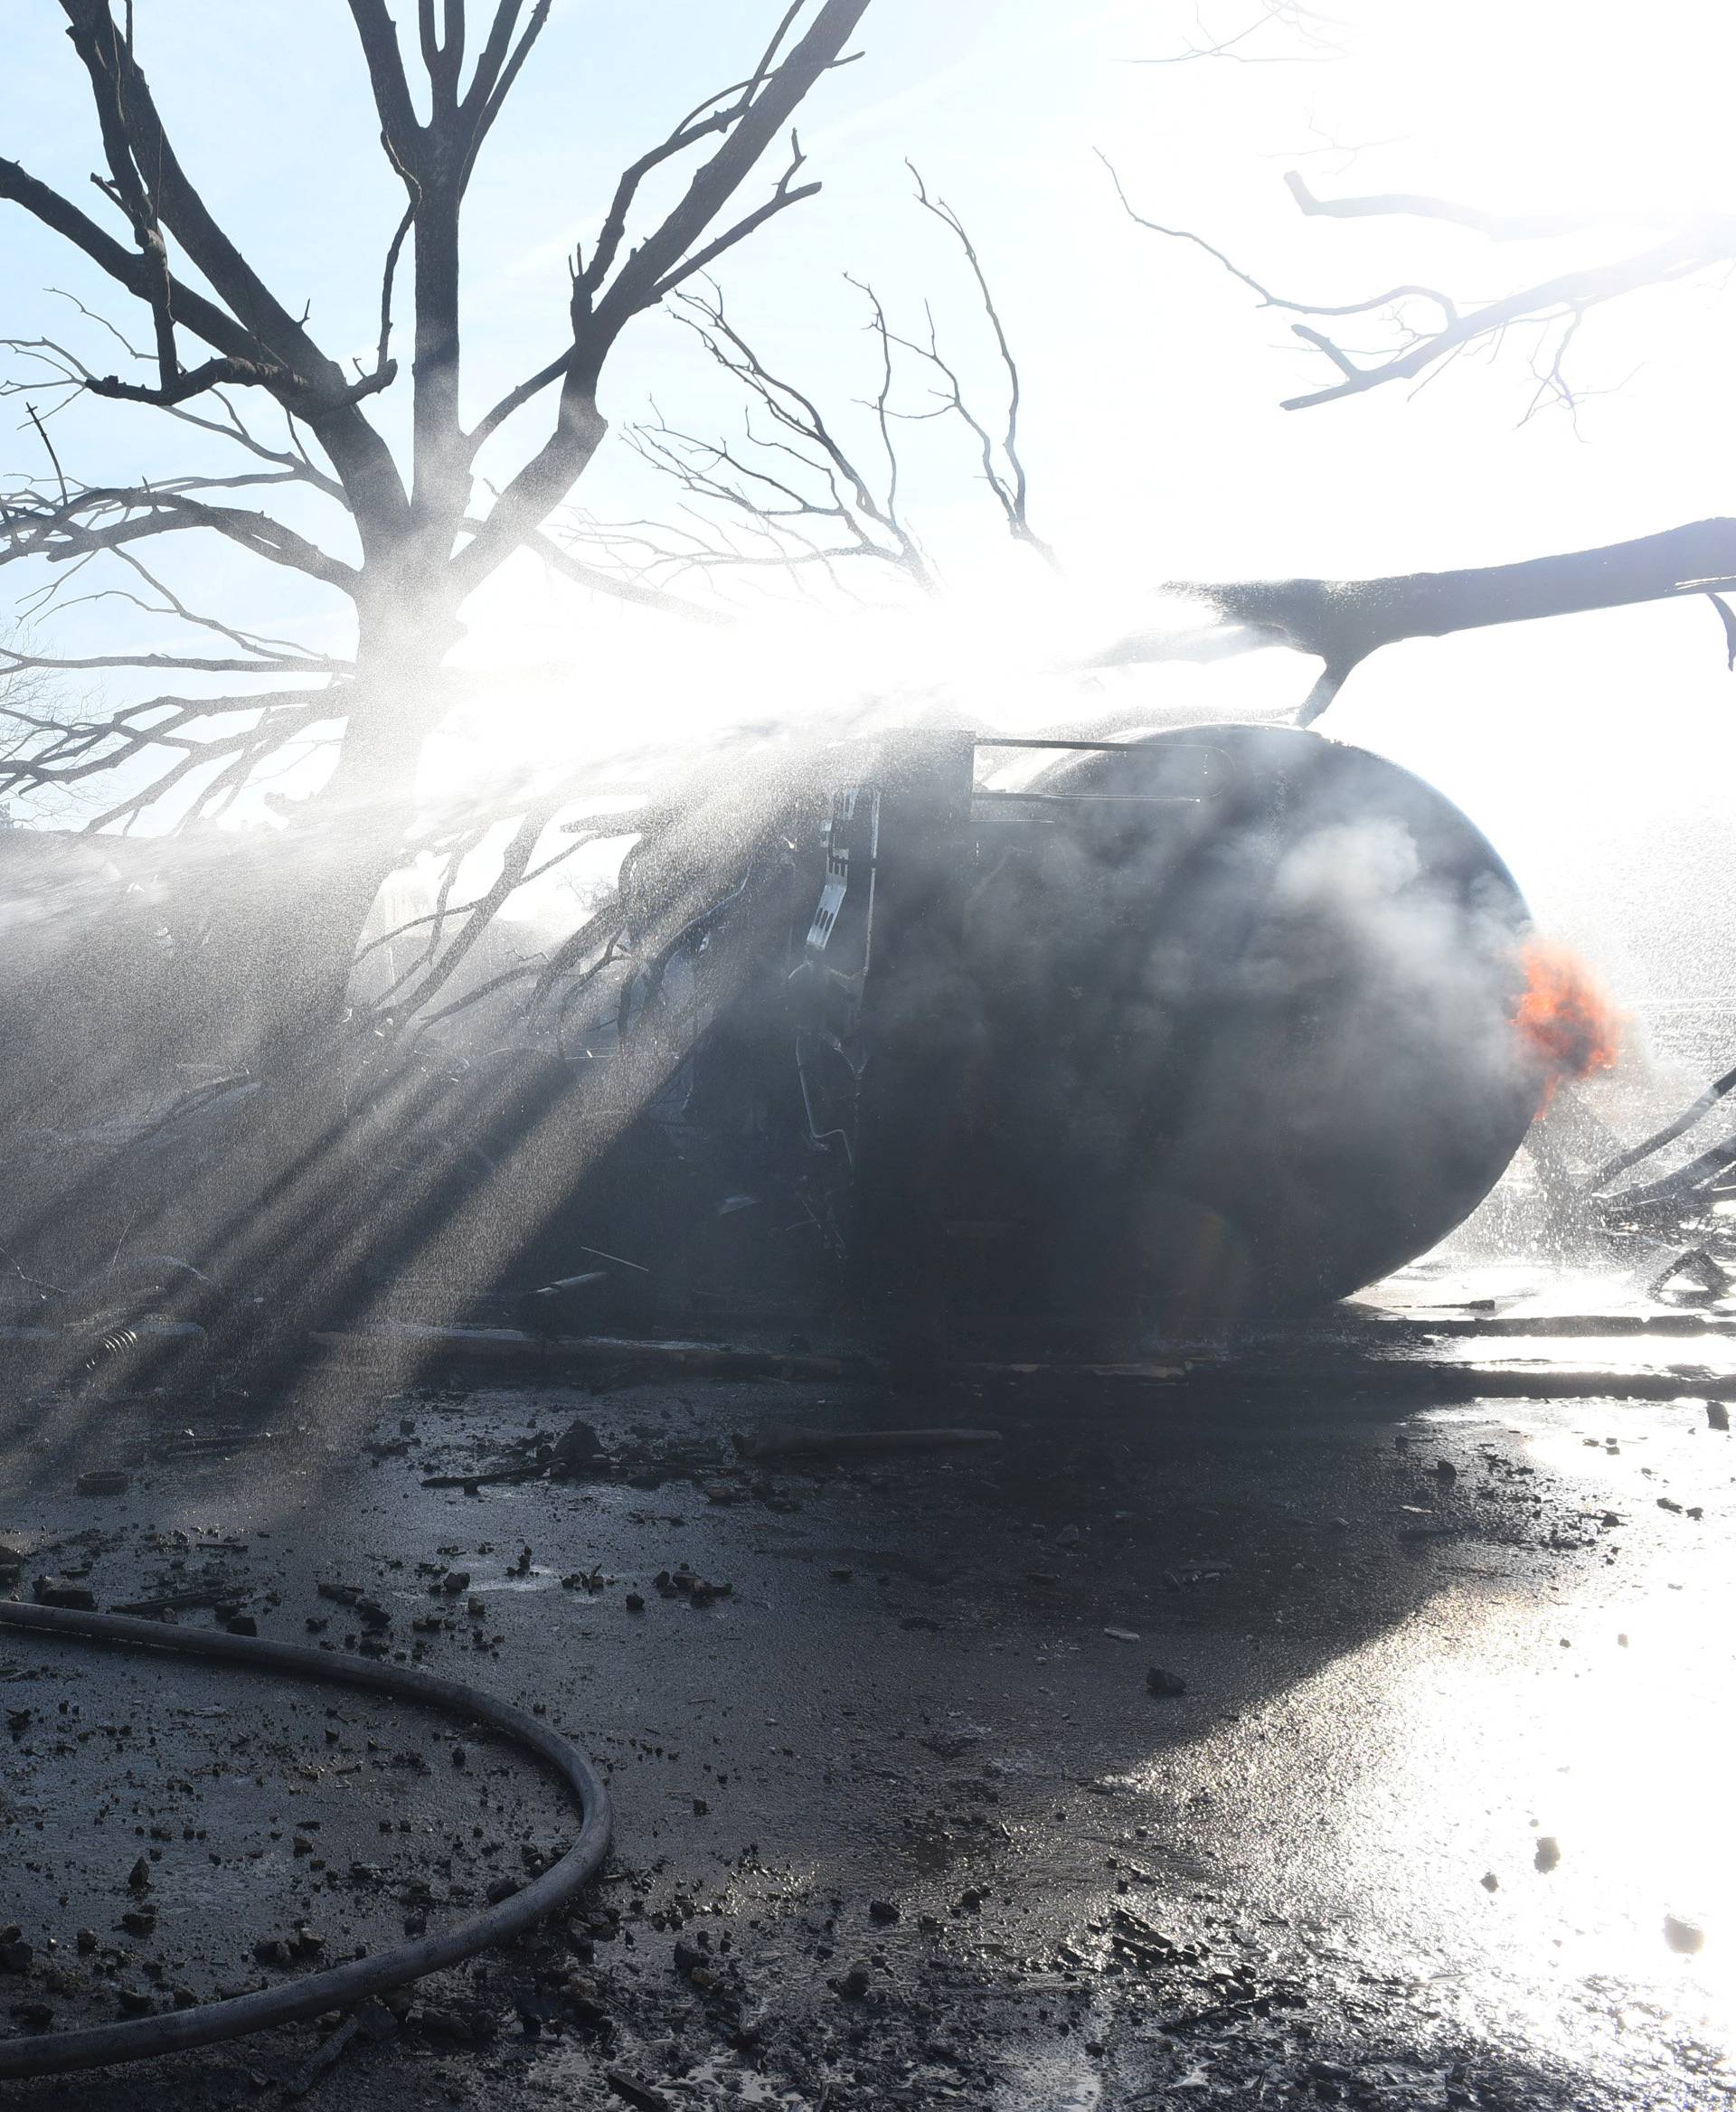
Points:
(1427, 1808)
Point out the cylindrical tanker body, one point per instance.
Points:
(1176, 1034)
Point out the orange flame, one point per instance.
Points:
(1568, 1025)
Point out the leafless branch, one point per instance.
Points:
(605, 299)
(804, 445)
(1568, 294)
(63, 752)
(516, 398)
(66, 373)
(382, 364)
(792, 493)
(60, 474)
(715, 115)
(256, 642)
(1344, 621)
(1308, 25)
(106, 517)
(1008, 483)
(513, 864)
(617, 589)
(498, 69)
(1391, 298)
(181, 663)
(786, 192)
(477, 914)
(1697, 243)
(1500, 227)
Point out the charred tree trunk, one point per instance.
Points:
(272, 931)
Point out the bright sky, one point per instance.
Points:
(1593, 751)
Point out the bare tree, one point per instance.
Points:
(423, 534)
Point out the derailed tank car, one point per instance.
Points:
(1158, 1036)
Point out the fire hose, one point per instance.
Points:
(339, 1986)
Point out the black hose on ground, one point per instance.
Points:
(177, 2030)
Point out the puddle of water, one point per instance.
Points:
(1515, 1735)
(1686, 1355)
